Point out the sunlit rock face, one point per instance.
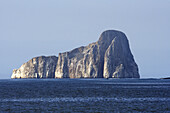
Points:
(39, 67)
(109, 57)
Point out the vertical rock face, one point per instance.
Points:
(39, 67)
(118, 60)
(109, 57)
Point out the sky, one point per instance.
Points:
(30, 28)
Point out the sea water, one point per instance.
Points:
(85, 95)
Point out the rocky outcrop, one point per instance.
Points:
(38, 67)
(109, 57)
(119, 61)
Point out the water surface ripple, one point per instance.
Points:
(85, 95)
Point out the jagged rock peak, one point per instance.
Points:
(109, 57)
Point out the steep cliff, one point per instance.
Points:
(109, 57)
(38, 67)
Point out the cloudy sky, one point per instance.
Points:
(30, 28)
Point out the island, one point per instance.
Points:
(109, 57)
(165, 78)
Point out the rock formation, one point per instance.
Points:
(109, 57)
(38, 67)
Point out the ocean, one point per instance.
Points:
(85, 95)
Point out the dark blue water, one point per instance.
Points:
(85, 95)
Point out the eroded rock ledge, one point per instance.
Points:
(109, 57)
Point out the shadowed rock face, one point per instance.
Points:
(109, 57)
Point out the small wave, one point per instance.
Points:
(81, 99)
